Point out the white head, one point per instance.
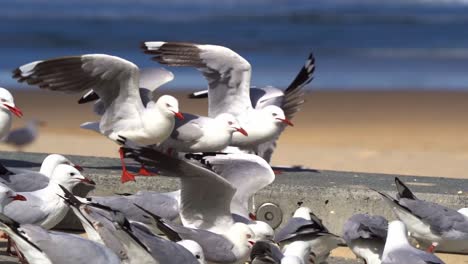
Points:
(302, 212)
(397, 236)
(7, 196)
(262, 230)
(194, 248)
(277, 114)
(464, 211)
(52, 161)
(297, 250)
(242, 237)
(7, 103)
(169, 106)
(231, 123)
(68, 177)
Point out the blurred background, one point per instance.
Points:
(389, 93)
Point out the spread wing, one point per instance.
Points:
(227, 73)
(114, 80)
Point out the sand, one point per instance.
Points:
(413, 133)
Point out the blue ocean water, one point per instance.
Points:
(358, 44)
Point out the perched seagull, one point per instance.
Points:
(21, 137)
(429, 222)
(365, 235)
(228, 76)
(233, 246)
(116, 82)
(40, 246)
(288, 100)
(7, 196)
(398, 250)
(7, 107)
(164, 204)
(203, 134)
(44, 207)
(307, 227)
(215, 189)
(265, 252)
(23, 180)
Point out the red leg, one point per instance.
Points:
(278, 172)
(126, 175)
(432, 247)
(145, 172)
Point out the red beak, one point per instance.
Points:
(251, 242)
(179, 115)
(18, 197)
(252, 217)
(242, 131)
(78, 167)
(88, 181)
(15, 110)
(286, 121)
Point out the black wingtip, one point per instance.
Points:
(4, 171)
(69, 197)
(171, 234)
(198, 95)
(88, 97)
(403, 190)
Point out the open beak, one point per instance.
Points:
(15, 110)
(286, 121)
(179, 115)
(18, 197)
(88, 181)
(242, 131)
(78, 167)
(251, 242)
(252, 217)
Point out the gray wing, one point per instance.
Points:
(114, 80)
(66, 248)
(26, 212)
(411, 256)
(227, 73)
(290, 101)
(442, 220)
(160, 204)
(163, 250)
(248, 173)
(265, 252)
(205, 196)
(297, 226)
(25, 181)
(365, 226)
(189, 129)
(21, 136)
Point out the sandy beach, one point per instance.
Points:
(413, 133)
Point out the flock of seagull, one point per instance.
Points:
(222, 161)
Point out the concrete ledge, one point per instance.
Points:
(333, 196)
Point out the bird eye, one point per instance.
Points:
(168, 105)
(230, 123)
(72, 174)
(197, 256)
(249, 236)
(275, 114)
(3, 100)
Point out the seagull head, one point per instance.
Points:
(262, 230)
(194, 248)
(302, 212)
(7, 196)
(169, 106)
(52, 161)
(277, 114)
(68, 177)
(242, 237)
(7, 103)
(232, 123)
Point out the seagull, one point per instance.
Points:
(365, 235)
(228, 76)
(116, 82)
(44, 207)
(7, 107)
(7, 196)
(215, 188)
(307, 227)
(203, 134)
(398, 250)
(429, 222)
(298, 252)
(21, 137)
(23, 180)
(41, 246)
(288, 100)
